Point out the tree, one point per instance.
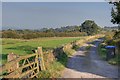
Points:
(90, 27)
(115, 13)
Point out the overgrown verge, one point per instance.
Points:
(109, 40)
(103, 51)
(56, 60)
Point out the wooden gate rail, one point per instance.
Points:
(32, 68)
(11, 63)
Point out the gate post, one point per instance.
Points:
(11, 57)
(36, 61)
(40, 58)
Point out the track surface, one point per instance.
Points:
(89, 65)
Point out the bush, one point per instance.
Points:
(29, 36)
(10, 34)
(109, 38)
(117, 35)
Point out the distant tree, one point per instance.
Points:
(50, 30)
(77, 28)
(90, 27)
(43, 29)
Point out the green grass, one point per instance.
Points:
(114, 61)
(102, 51)
(54, 71)
(24, 47)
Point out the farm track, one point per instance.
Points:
(89, 65)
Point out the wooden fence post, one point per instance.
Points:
(36, 60)
(40, 57)
(11, 57)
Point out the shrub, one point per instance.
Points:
(109, 38)
(10, 34)
(117, 35)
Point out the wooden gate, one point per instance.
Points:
(24, 66)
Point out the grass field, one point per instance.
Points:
(24, 47)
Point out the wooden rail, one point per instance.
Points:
(27, 68)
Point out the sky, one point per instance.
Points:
(37, 15)
(54, 0)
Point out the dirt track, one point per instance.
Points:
(89, 65)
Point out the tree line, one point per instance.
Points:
(31, 35)
(88, 27)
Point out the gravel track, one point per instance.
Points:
(89, 65)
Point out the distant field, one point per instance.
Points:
(24, 47)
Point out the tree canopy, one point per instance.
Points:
(115, 13)
(90, 27)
